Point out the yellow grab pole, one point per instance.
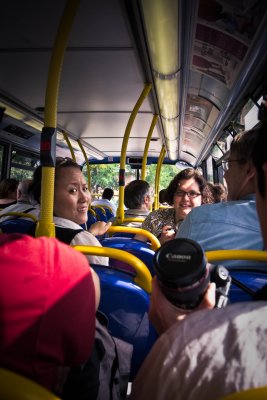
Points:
(157, 176)
(120, 209)
(69, 146)
(87, 163)
(144, 161)
(46, 226)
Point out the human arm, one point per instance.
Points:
(99, 228)
(163, 314)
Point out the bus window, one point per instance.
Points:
(23, 164)
(210, 169)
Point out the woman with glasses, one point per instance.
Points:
(71, 201)
(187, 190)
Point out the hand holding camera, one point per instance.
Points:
(184, 274)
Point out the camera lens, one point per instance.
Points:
(181, 268)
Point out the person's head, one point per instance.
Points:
(218, 191)
(239, 172)
(259, 158)
(162, 196)
(23, 190)
(137, 195)
(187, 190)
(107, 194)
(71, 196)
(8, 189)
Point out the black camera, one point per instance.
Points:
(184, 274)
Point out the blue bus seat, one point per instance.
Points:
(126, 306)
(18, 226)
(100, 213)
(248, 281)
(123, 234)
(140, 249)
(91, 219)
(109, 213)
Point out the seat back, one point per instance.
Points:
(126, 302)
(17, 387)
(139, 249)
(109, 212)
(246, 280)
(100, 213)
(126, 306)
(20, 223)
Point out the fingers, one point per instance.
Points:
(209, 298)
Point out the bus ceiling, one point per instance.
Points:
(204, 59)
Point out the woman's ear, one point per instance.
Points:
(250, 170)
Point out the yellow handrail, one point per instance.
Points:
(157, 177)
(69, 146)
(222, 255)
(143, 276)
(19, 214)
(155, 244)
(149, 135)
(17, 387)
(120, 209)
(87, 163)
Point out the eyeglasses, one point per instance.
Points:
(225, 163)
(191, 194)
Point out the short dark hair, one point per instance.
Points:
(108, 193)
(243, 144)
(259, 157)
(186, 174)
(134, 193)
(8, 186)
(61, 162)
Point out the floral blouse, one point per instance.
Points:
(155, 221)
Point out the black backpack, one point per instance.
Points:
(106, 374)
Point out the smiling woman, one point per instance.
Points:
(71, 201)
(188, 189)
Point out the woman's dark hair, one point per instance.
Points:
(219, 192)
(8, 186)
(186, 174)
(61, 162)
(259, 154)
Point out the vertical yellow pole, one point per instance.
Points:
(87, 163)
(120, 209)
(69, 146)
(144, 161)
(157, 176)
(45, 226)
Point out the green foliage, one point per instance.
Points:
(107, 175)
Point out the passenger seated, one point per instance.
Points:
(233, 224)
(8, 192)
(71, 201)
(107, 195)
(23, 204)
(187, 190)
(207, 354)
(137, 199)
(49, 296)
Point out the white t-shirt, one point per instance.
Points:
(82, 238)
